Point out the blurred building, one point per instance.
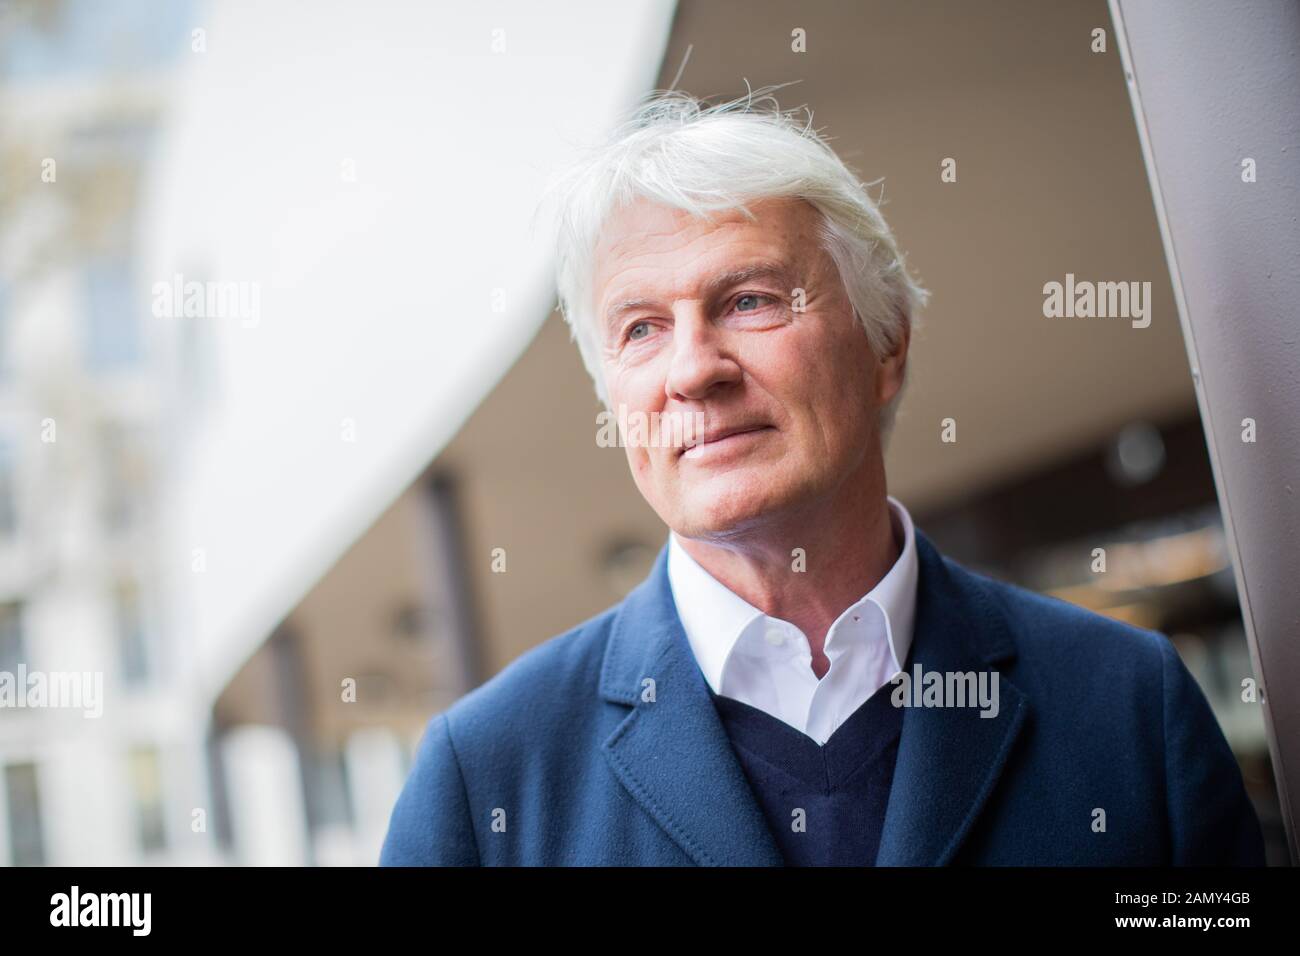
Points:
(82, 422)
(319, 726)
(261, 694)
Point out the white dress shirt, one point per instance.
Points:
(767, 662)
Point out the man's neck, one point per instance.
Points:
(848, 546)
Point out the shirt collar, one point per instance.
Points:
(714, 617)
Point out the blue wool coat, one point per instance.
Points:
(602, 747)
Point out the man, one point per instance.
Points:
(803, 679)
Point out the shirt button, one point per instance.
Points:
(774, 636)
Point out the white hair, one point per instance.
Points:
(679, 151)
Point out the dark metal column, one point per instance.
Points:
(1215, 87)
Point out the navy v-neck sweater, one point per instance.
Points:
(824, 803)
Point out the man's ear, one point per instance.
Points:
(893, 367)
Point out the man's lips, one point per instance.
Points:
(713, 436)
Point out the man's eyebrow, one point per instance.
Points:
(718, 284)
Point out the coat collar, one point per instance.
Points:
(673, 756)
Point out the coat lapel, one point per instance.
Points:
(949, 758)
(672, 754)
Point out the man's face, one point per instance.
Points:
(705, 318)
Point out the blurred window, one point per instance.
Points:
(11, 636)
(126, 475)
(328, 803)
(8, 485)
(22, 797)
(112, 325)
(131, 638)
(4, 331)
(146, 788)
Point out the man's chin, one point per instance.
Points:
(726, 514)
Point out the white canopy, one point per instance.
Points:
(352, 186)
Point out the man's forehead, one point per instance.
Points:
(642, 232)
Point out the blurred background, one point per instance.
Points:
(294, 450)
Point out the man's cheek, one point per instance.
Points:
(638, 460)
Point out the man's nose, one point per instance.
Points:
(701, 359)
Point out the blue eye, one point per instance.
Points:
(750, 297)
(631, 332)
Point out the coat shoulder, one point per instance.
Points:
(539, 692)
(509, 733)
(1097, 681)
(1049, 631)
